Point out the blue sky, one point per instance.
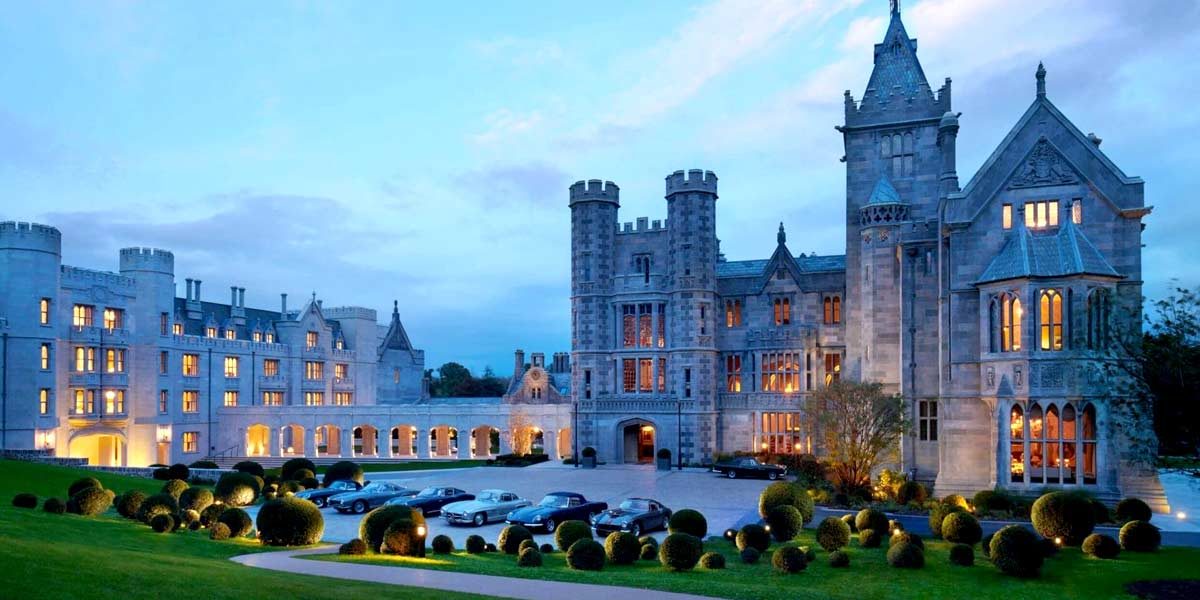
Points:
(421, 151)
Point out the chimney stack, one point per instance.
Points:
(283, 306)
(189, 288)
(242, 297)
(197, 297)
(233, 296)
(518, 362)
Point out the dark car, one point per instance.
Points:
(371, 495)
(431, 499)
(321, 496)
(555, 508)
(749, 467)
(634, 515)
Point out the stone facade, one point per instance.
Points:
(724, 354)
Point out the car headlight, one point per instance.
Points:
(537, 519)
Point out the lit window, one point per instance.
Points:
(628, 325)
(78, 408)
(256, 336)
(191, 365)
(272, 398)
(662, 374)
(833, 368)
(644, 325)
(231, 366)
(45, 357)
(661, 334)
(314, 370)
(1006, 323)
(340, 344)
(44, 401)
(927, 420)
(646, 374)
(1077, 211)
(163, 397)
(341, 371)
(191, 442)
(733, 313)
(733, 373)
(1041, 214)
(270, 367)
(114, 402)
(310, 339)
(191, 401)
(780, 372)
(177, 328)
(270, 337)
(210, 332)
(833, 310)
(114, 360)
(1006, 216)
(231, 334)
(1051, 451)
(781, 434)
(80, 353)
(629, 375)
(1050, 320)
(783, 311)
(314, 398)
(343, 399)
(112, 318)
(230, 398)
(44, 311)
(82, 315)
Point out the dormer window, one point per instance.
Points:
(231, 334)
(270, 337)
(177, 328)
(1041, 214)
(1006, 216)
(310, 339)
(340, 344)
(210, 331)
(256, 336)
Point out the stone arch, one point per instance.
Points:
(100, 444)
(328, 440)
(291, 440)
(443, 441)
(258, 440)
(636, 440)
(564, 442)
(485, 441)
(365, 439)
(402, 441)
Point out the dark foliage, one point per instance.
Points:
(754, 536)
(290, 522)
(251, 467)
(838, 559)
(1140, 536)
(25, 500)
(509, 541)
(905, 555)
(237, 520)
(789, 559)
(833, 533)
(680, 551)
(586, 555)
(1016, 551)
(962, 555)
(1063, 515)
(570, 532)
(622, 548)
(1101, 546)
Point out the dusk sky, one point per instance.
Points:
(422, 151)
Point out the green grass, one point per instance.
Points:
(67, 556)
(1070, 574)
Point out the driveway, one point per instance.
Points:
(724, 502)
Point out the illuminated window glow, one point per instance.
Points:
(191, 401)
(191, 365)
(1050, 319)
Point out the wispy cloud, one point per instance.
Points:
(504, 124)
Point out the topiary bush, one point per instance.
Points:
(869, 518)
(400, 537)
(194, 525)
(442, 544)
(905, 537)
(129, 503)
(290, 522)
(529, 557)
(476, 544)
(954, 500)
(849, 521)
(570, 532)
(789, 559)
(354, 547)
(585, 554)
(905, 555)
(1133, 509)
(237, 520)
(838, 559)
(937, 516)
(218, 531)
(648, 539)
(809, 553)
(187, 517)
(527, 544)
(622, 548)
(546, 549)
(961, 528)
(80, 484)
(373, 526)
(785, 522)
(209, 515)
(869, 538)
(1140, 536)
(509, 541)
(754, 536)
(985, 544)
(195, 498)
(54, 506)
(911, 491)
(289, 468)
(1016, 551)
(251, 467)
(1101, 546)
(648, 552)
(310, 483)
(785, 494)
(161, 474)
(158, 504)
(344, 470)
(302, 474)
(237, 488)
(25, 500)
(962, 555)
(833, 533)
(204, 464)
(178, 471)
(680, 551)
(1063, 515)
(750, 555)
(991, 501)
(688, 521)
(712, 560)
(162, 523)
(1101, 512)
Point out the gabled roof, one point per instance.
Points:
(396, 338)
(1067, 252)
(807, 264)
(884, 193)
(896, 63)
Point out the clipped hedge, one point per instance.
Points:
(789, 559)
(622, 548)
(251, 467)
(680, 551)
(129, 503)
(509, 541)
(289, 468)
(174, 487)
(911, 491)
(290, 522)
(753, 535)
(401, 538)
(178, 471)
(196, 498)
(25, 500)
(218, 532)
(785, 522)
(1016, 551)
(906, 537)
(237, 488)
(89, 502)
(962, 528)
(82, 483)
(962, 555)
(1101, 546)
(302, 474)
(1140, 536)
(373, 526)
(546, 549)
(869, 538)
(162, 523)
(476, 544)
(833, 533)
(354, 547)
(688, 521)
(54, 506)
(1063, 515)
(991, 500)
(585, 554)
(937, 516)
(906, 555)
(750, 555)
(869, 518)
(237, 520)
(838, 559)
(344, 470)
(529, 557)
(648, 552)
(158, 504)
(204, 464)
(648, 539)
(441, 544)
(210, 514)
(712, 560)
(570, 532)
(1133, 509)
(782, 493)
(849, 521)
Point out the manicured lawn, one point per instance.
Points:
(1068, 575)
(67, 556)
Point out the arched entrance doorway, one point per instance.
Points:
(328, 439)
(291, 440)
(404, 441)
(485, 441)
(443, 441)
(104, 448)
(366, 440)
(258, 440)
(564, 442)
(637, 441)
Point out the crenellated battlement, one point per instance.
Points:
(350, 312)
(595, 190)
(155, 260)
(16, 235)
(696, 180)
(893, 105)
(643, 225)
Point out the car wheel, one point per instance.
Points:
(480, 519)
(550, 526)
(731, 474)
(360, 506)
(635, 530)
(772, 475)
(321, 503)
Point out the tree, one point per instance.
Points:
(861, 427)
(455, 380)
(520, 431)
(1170, 361)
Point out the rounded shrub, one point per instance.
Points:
(782, 493)
(530, 543)
(287, 488)
(401, 538)
(237, 520)
(25, 500)
(754, 536)
(990, 500)
(188, 517)
(955, 500)
(648, 552)
(838, 559)
(906, 537)
(476, 544)
(1016, 551)
(1063, 515)
(546, 549)
(129, 503)
(310, 483)
(251, 467)
(586, 555)
(849, 521)
(195, 498)
(1101, 546)
(833, 533)
(442, 544)
(894, 526)
(80, 484)
(570, 532)
(961, 528)
(712, 560)
(162, 523)
(209, 515)
(302, 474)
(509, 541)
(529, 557)
(809, 553)
(373, 526)
(962, 555)
(1140, 536)
(785, 522)
(1101, 512)
(290, 522)
(161, 474)
(289, 468)
(680, 551)
(911, 491)
(688, 521)
(354, 547)
(869, 518)
(937, 516)
(789, 559)
(344, 470)
(237, 488)
(194, 526)
(54, 506)
(268, 480)
(869, 538)
(985, 545)
(158, 504)
(218, 531)
(204, 464)
(622, 548)
(178, 471)
(1133, 509)
(588, 452)
(906, 555)
(750, 555)
(648, 539)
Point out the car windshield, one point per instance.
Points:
(635, 504)
(488, 497)
(375, 487)
(341, 485)
(429, 492)
(554, 502)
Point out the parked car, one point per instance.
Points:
(749, 467)
(488, 505)
(321, 496)
(635, 515)
(431, 499)
(371, 495)
(555, 508)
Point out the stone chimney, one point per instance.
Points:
(518, 362)
(283, 306)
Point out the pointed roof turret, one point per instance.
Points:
(896, 64)
(884, 193)
(396, 338)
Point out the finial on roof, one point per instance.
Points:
(1041, 81)
(395, 307)
(895, 6)
(781, 237)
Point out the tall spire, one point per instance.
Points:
(897, 70)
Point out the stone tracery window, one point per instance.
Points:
(1054, 446)
(1098, 314)
(833, 310)
(733, 372)
(898, 150)
(1005, 319)
(780, 372)
(1050, 319)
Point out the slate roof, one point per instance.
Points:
(1028, 254)
(807, 264)
(896, 63)
(220, 314)
(884, 193)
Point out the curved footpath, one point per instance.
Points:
(452, 581)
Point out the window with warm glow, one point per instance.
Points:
(1041, 214)
(231, 366)
(113, 318)
(1060, 444)
(314, 369)
(783, 311)
(1050, 319)
(833, 368)
(310, 339)
(314, 398)
(272, 398)
(343, 399)
(270, 337)
(733, 313)
(177, 328)
(781, 434)
(191, 401)
(44, 401)
(191, 442)
(645, 337)
(629, 374)
(82, 315)
(256, 336)
(210, 332)
(780, 372)
(927, 420)
(662, 374)
(646, 374)
(733, 373)
(340, 344)
(44, 311)
(270, 367)
(1005, 317)
(231, 334)
(191, 365)
(833, 310)
(79, 407)
(341, 371)
(628, 325)
(114, 402)
(230, 398)
(45, 357)
(114, 360)
(80, 354)
(662, 325)
(1006, 216)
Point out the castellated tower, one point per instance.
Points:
(30, 261)
(147, 320)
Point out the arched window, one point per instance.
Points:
(1089, 444)
(1061, 448)
(837, 309)
(1050, 320)
(994, 325)
(1016, 436)
(1010, 322)
(1069, 436)
(1097, 318)
(1053, 431)
(828, 310)
(1036, 434)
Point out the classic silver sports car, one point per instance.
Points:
(488, 505)
(374, 494)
